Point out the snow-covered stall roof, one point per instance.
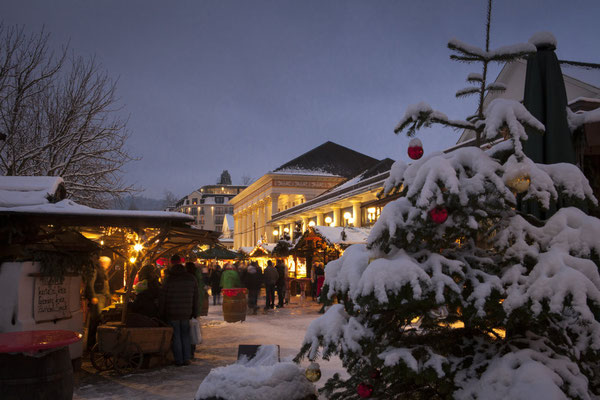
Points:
(30, 190)
(246, 249)
(343, 235)
(70, 208)
(42, 197)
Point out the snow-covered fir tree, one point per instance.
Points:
(458, 294)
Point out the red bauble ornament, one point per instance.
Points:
(439, 215)
(415, 149)
(364, 390)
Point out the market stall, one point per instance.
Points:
(47, 243)
(321, 244)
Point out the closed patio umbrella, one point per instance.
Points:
(546, 99)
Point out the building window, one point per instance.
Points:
(230, 210)
(194, 201)
(219, 200)
(201, 219)
(218, 220)
(219, 228)
(371, 214)
(202, 201)
(201, 210)
(219, 210)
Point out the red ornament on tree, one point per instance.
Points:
(364, 390)
(415, 149)
(439, 214)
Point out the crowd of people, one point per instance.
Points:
(176, 294)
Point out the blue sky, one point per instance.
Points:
(248, 85)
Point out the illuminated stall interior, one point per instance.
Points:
(325, 243)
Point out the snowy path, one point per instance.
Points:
(285, 327)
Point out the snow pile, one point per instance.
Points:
(18, 191)
(261, 377)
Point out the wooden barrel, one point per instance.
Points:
(49, 377)
(234, 304)
(204, 310)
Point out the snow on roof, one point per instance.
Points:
(228, 222)
(333, 234)
(299, 171)
(328, 159)
(543, 39)
(582, 117)
(69, 207)
(586, 99)
(246, 249)
(27, 190)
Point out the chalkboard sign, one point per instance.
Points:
(50, 299)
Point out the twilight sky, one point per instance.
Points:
(247, 85)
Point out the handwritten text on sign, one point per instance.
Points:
(51, 299)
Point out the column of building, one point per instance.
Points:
(356, 214)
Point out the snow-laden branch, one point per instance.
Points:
(421, 114)
(469, 53)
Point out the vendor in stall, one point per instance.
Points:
(97, 293)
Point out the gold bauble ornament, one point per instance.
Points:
(519, 184)
(313, 372)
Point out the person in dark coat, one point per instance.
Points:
(281, 281)
(147, 292)
(97, 293)
(253, 281)
(215, 284)
(178, 304)
(270, 277)
(191, 268)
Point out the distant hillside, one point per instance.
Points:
(138, 203)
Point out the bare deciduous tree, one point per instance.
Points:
(58, 117)
(246, 180)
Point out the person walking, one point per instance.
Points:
(191, 268)
(281, 281)
(97, 292)
(271, 276)
(178, 304)
(215, 284)
(252, 280)
(230, 278)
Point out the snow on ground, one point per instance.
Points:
(285, 327)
